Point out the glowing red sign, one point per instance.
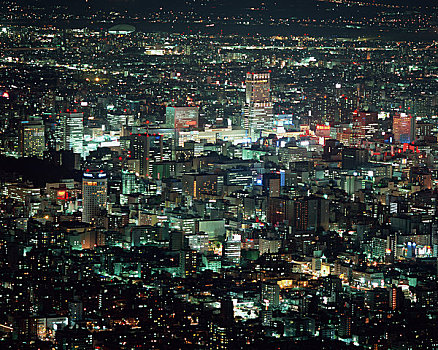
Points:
(62, 195)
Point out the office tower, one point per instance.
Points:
(94, 196)
(396, 298)
(364, 125)
(75, 310)
(187, 224)
(280, 210)
(421, 176)
(423, 130)
(53, 132)
(197, 242)
(188, 263)
(269, 245)
(403, 128)
(72, 129)
(148, 150)
(239, 177)
(272, 184)
(270, 294)
(353, 157)
(232, 249)
(32, 138)
(117, 121)
(176, 242)
(258, 106)
(227, 311)
(311, 213)
(182, 117)
(332, 148)
(345, 326)
(129, 182)
(219, 336)
(211, 262)
(202, 185)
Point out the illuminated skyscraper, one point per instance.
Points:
(32, 138)
(94, 195)
(72, 126)
(270, 294)
(232, 249)
(258, 106)
(148, 149)
(364, 125)
(403, 128)
(188, 263)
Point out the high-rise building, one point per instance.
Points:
(345, 326)
(32, 138)
(211, 262)
(94, 196)
(188, 263)
(227, 311)
(396, 298)
(279, 210)
(258, 106)
(353, 157)
(311, 213)
(72, 128)
(258, 87)
(219, 336)
(148, 150)
(364, 125)
(269, 245)
(270, 294)
(200, 185)
(129, 182)
(198, 242)
(232, 249)
(403, 128)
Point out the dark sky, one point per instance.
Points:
(177, 4)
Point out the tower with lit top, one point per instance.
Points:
(258, 111)
(94, 195)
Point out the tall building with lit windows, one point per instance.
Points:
(202, 185)
(72, 128)
(188, 263)
(270, 294)
(403, 128)
(32, 138)
(232, 249)
(219, 336)
(311, 213)
(364, 125)
(94, 196)
(148, 150)
(258, 112)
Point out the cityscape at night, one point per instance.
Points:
(213, 174)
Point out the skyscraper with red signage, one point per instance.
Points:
(403, 128)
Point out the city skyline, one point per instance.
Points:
(218, 175)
